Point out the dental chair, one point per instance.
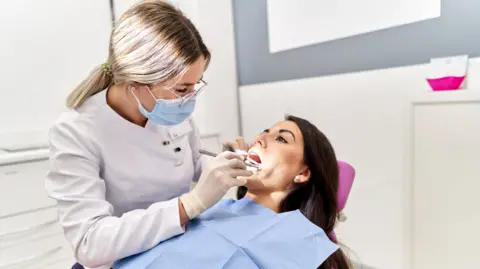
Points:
(346, 177)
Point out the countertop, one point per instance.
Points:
(22, 156)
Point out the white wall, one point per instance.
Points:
(219, 105)
(45, 57)
(366, 116)
(46, 50)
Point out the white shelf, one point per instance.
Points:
(458, 96)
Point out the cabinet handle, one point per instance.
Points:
(31, 258)
(28, 229)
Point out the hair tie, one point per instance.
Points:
(106, 69)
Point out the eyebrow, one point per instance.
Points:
(282, 131)
(287, 131)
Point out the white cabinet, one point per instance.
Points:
(30, 236)
(22, 187)
(446, 203)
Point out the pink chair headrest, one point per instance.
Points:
(346, 177)
(345, 182)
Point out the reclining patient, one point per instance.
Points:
(284, 218)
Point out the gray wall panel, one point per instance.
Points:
(455, 32)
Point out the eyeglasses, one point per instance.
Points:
(197, 89)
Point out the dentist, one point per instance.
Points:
(125, 153)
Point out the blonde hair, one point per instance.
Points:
(152, 42)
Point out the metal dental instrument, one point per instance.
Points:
(208, 153)
(248, 162)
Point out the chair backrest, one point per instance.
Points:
(346, 178)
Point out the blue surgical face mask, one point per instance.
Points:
(168, 111)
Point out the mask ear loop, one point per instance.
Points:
(135, 96)
(151, 93)
(138, 100)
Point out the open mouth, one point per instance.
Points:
(253, 159)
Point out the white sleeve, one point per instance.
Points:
(196, 144)
(96, 236)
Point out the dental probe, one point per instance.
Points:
(212, 154)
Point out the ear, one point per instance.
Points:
(131, 86)
(303, 176)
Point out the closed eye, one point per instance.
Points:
(181, 90)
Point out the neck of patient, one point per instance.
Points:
(271, 200)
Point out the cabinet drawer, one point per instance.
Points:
(59, 264)
(23, 228)
(22, 187)
(46, 250)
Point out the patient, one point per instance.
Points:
(295, 188)
(299, 170)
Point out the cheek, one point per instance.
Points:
(281, 168)
(287, 159)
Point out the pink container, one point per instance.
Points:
(450, 83)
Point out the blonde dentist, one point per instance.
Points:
(124, 154)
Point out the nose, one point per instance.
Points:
(260, 140)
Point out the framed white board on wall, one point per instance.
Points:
(47, 48)
(294, 24)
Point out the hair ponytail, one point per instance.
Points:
(97, 81)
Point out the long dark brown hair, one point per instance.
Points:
(316, 198)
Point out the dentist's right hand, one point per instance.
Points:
(217, 178)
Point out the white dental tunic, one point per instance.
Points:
(116, 183)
